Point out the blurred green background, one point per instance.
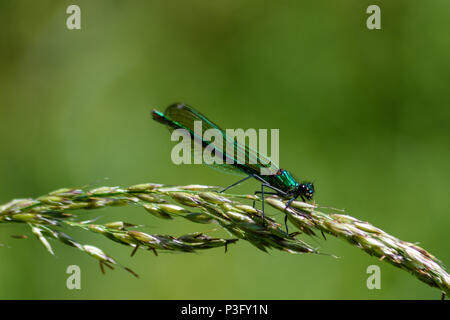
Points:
(363, 113)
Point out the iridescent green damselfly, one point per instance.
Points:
(281, 182)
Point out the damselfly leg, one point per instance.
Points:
(262, 203)
(288, 204)
(236, 183)
(259, 192)
(276, 191)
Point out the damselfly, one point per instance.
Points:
(281, 182)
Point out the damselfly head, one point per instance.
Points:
(306, 189)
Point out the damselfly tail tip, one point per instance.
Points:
(155, 112)
(158, 116)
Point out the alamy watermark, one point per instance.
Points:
(74, 280)
(374, 20)
(374, 280)
(73, 21)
